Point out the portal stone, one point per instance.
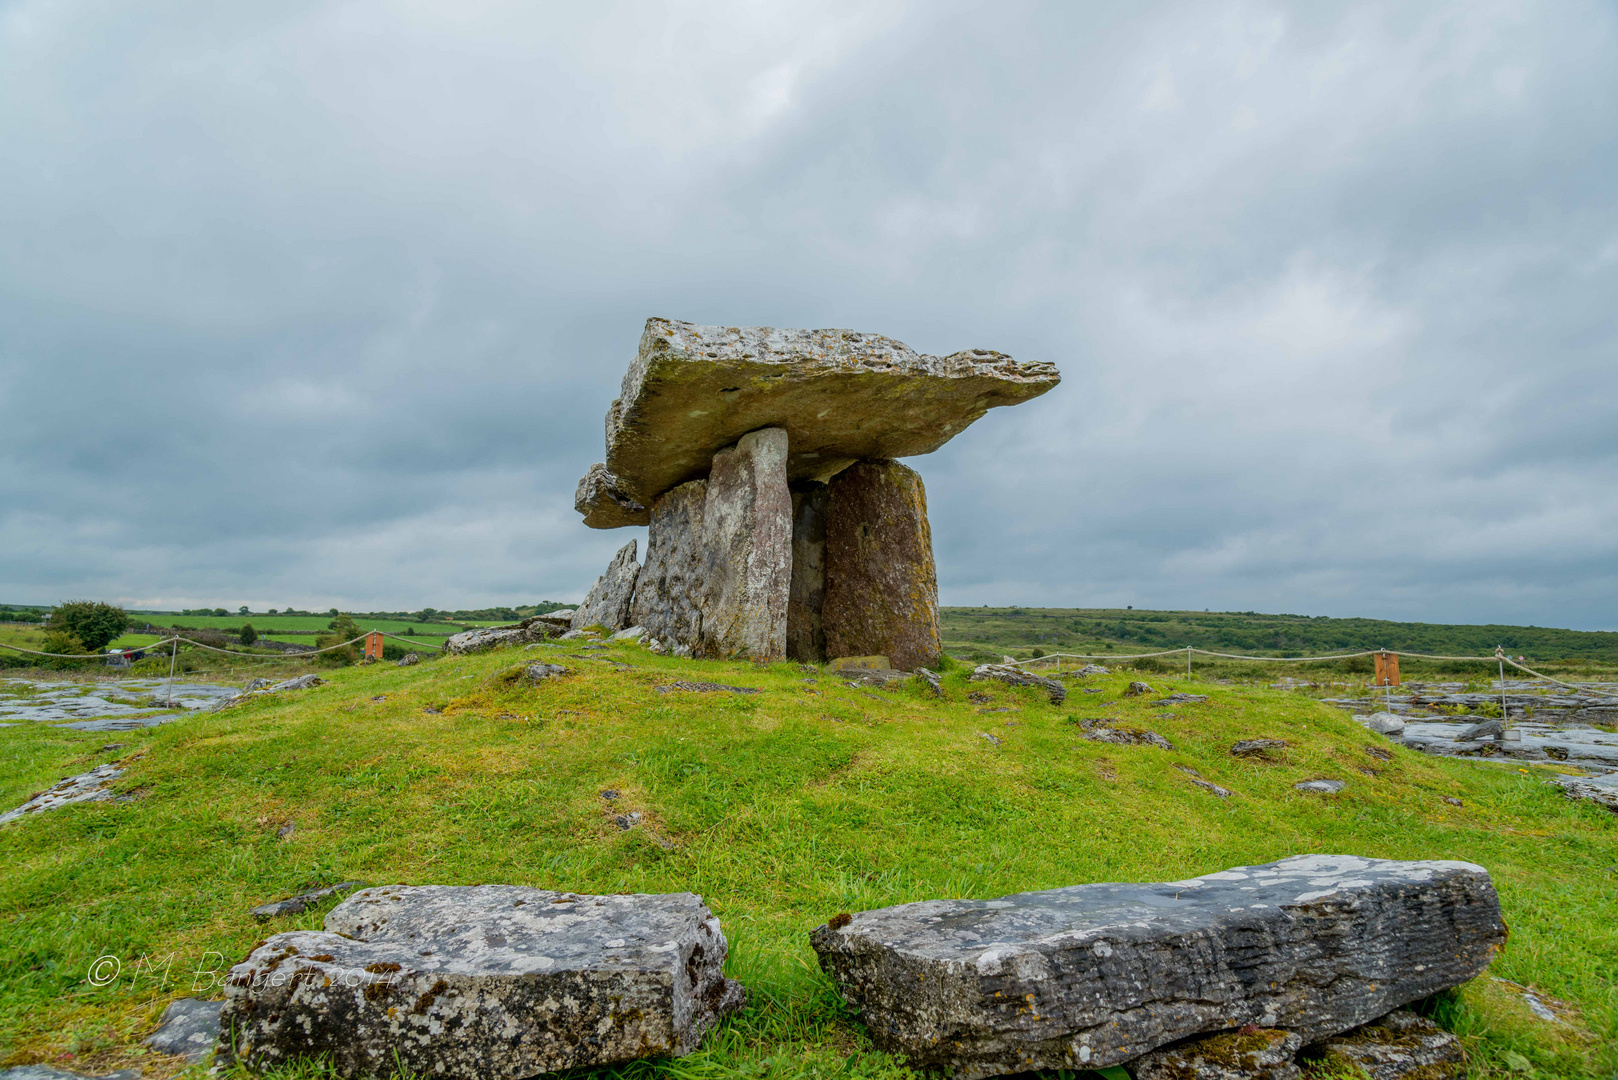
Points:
(608, 602)
(668, 597)
(881, 585)
(806, 636)
(747, 528)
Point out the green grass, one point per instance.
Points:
(780, 809)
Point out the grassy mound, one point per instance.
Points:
(780, 808)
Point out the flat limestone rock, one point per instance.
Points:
(841, 395)
(190, 1029)
(1263, 1054)
(484, 982)
(1016, 676)
(881, 593)
(93, 786)
(611, 598)
(1399, 1046)
(668, 594)
(1095, 975)
(603, 505)
(747, 549)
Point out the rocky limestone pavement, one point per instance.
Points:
(1257, 1054)
(668, 595)
(1016, 676)
(51, 1072)
(881, 585)
(611, 598)
(92, 786)
(603, 505)
(747, 566)
(297, 905)
(1587, 747)
(485, 982)
(1096, 975)
(1601, 790)
(840, 395)
(1399, 1046)
(190, 1029)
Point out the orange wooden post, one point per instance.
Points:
(373, 645)
(1387, 669)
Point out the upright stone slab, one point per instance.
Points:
(747, 541)
(609, 600)
(806, 636)
(668, 596)
(881, 585)
(482, 982)
(1095, 975)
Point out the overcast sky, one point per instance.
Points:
(313, 304)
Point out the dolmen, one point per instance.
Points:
(1093, 976)
(484, 982)
(762, 461)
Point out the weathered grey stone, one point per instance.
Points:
(1383, 723)
(611, 598)
(1399, 1046)
(1180, 699)
(487, 982)
(881, 585)
(1204, 783)
(747, 550)
(806, 634)
(555, 622)
(297, 905)
(298, 682)
(1262, 1054)
(603, 505)
(1109, 730)
(1488, 729)
(840, 395)
(93, 786)
(668, 596)
(1257, 747)
(408, 660)
(1018, 677)
(190, 1029)
(483, 638)
(1601, 790)
(51, 1072)
(1136, 689)
(540, 672)
(1320, 787)
(1096, 975)
(633, 633)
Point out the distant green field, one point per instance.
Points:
(310, 623)
(1104, 630)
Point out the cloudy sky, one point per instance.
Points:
(312, 304)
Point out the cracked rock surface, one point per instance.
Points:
(1096, 975)
(1399, 1046)
(483, 982)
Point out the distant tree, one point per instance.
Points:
(242, 610)
(342, 629)
(93, 623)
(220, 611)
(333, 613)
(272, 611)
(248, 634)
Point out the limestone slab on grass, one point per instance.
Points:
(1096, 975)
(93, 786)
(190, 1029)
(1016, 676)
(841, 396)
(485, 982)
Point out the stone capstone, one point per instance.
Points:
(190, 1029)
(668, 595)
(881, 592)
(747, 549)
(1260, 1054)
(806, 633)
(839, 395)
(485, 982)
(603, 505)
(1016, 676)
(1096, 975)
(611, 598)
(1399, 1046)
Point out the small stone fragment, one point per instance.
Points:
(1383, 723)
(633, 633)
(1205, 784)
(992, 740)
(1055, 691)
(707, 688)
(297, 905)
(1399, 1046)
(109, 746)
(540, 672)
(628, 821)
(1248, 1054)
(408, 660)
(610, 794)
(934, 681)
(286, 830)
(1180, 699)
(1257, 747)
(300, 682)
(1123, 735)
(1136, 689)
(190, 1029)
(1489, 729)
(1320, 787)
(1379, 753)
(1452, 800)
